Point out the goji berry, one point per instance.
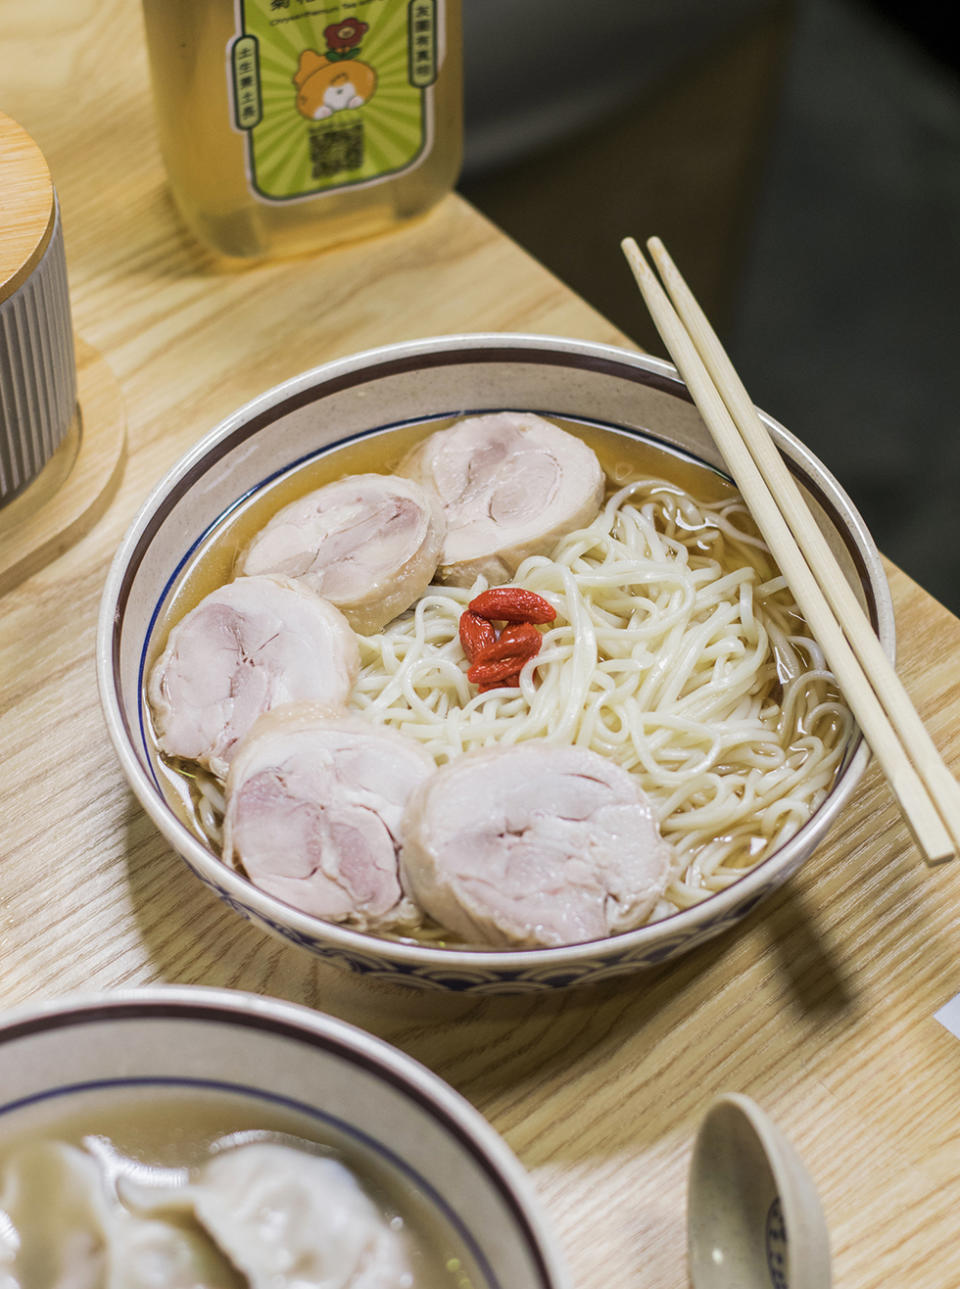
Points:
(497, 672)
(508, 682)
(506, 657)
(522, 633)
(476, 634)
(512, 604)
(520, 641)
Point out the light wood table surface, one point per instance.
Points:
(820, 1006)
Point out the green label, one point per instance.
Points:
(422, 18)
(247, 99)
(332, 95)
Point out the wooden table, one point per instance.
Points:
(820, 1006)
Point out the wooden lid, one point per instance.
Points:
(26, 206)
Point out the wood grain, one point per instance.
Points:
(26, 206)
(77, 483)
(820, 1005)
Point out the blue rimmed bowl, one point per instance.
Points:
(368, 394)
(79, 1059)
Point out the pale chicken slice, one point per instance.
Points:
(511, 484)
(369, 543)
(246, 648)
(315, 804)
(532, 846)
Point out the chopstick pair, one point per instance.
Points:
(928, 794)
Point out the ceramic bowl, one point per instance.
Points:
(390, 387)
(129, 1052)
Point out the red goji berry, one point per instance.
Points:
(508, 682)
(503, 659)
(521, 641)
(521, 633)
(488, 675)
(512, 604)
(476, 634)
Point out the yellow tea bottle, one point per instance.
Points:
(287, 125)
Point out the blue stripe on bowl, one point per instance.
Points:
(400, 1165)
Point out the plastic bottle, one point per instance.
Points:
(288, 125)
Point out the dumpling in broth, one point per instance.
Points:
(53, 1216)
(145, 1253)
(60, 1228)
(287, 1219)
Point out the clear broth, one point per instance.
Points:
(623, 457)
(176, 1128)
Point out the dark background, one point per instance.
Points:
(801, 161)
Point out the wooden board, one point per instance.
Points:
(76, 485)
(26, 205)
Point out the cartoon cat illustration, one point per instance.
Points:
(325, 86)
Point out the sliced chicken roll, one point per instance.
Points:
(511, 484)
(532, 846)
(314, 810)
(246, 648)
(369, 543)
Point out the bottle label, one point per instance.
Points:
(332, 96)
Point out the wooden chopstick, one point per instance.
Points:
(928, 794)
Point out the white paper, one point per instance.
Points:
(949, 1016)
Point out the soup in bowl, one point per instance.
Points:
(187, 1136)
(462, 661)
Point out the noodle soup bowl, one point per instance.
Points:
(164, 1069)
(358, 400)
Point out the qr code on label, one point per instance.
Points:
(332, 151)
